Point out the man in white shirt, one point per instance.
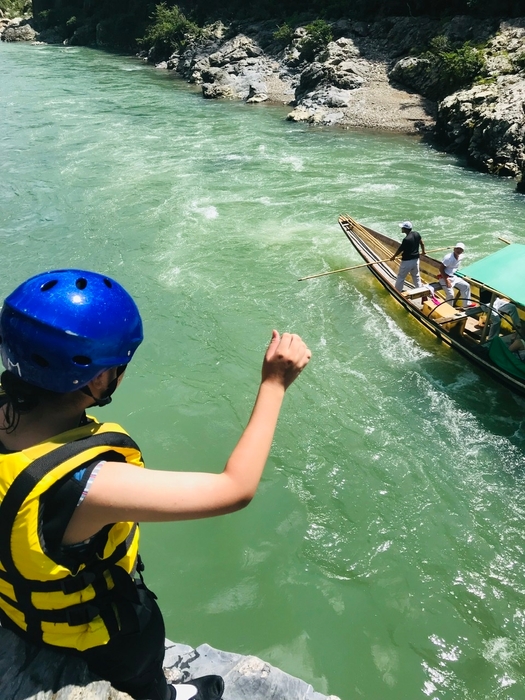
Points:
(448, 279)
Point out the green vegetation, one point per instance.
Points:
(318, 37)
(284, 34)
(15, 8)
(519, 61)
(453, 68)
(169, 30)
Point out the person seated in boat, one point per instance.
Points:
(73, 489)
(409, 249)
(448, 278)
(515, 344)
(496, 311)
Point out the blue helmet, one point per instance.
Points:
(60, 329)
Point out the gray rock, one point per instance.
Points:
(258, 92)
(83, 36)
(419, 74)
(212, 91)
(234, 51)
(18, 30)
(341, 50)
(487, 124)
(245, 677)
(50, 36)
(318, 79)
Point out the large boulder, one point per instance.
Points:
(19, 30)
(85, 35)
(317, 77)
(415, 73)
(235, 50)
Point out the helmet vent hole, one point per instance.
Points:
(107, 282)
(39, 360)
(81, 283)
(82, 360)
(48, 285)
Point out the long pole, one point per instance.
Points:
(354, 267)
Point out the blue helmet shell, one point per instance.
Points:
(60, 329)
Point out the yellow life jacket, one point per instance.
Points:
(44, 599)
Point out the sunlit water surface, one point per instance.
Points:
(383, 555)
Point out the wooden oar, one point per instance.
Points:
(504, 240)
(354, 267)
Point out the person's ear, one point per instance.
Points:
(100, 382)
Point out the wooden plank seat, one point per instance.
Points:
(450, 319)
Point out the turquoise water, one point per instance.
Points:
(383, 554)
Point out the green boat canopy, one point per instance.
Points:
(503, 271)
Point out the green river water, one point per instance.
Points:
(382, 557)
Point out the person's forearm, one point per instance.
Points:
(246, 463)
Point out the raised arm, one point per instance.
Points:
(123, 492)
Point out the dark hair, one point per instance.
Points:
(485, 296)
(22, 397)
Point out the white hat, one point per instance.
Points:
(406, 224)
(460, 245)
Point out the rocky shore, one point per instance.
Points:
(372, 75)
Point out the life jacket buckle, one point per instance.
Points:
(74, 584)
(82, 615)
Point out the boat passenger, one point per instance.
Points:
(499, 308)
(515, 344)
(448, 278)
(72, 489)
(409, 249)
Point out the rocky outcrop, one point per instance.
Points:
(232, 68)
(29, 673)
(487, 124)
(346, 83)
(17, 29)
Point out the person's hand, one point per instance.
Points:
(285, 358)
(449, 282)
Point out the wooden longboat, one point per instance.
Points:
(457, 327)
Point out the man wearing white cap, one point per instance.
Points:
(448, 279)
(409, 247)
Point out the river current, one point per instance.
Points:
(382, 557)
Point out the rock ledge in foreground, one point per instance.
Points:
(29, 673)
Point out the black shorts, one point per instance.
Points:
(133, 662)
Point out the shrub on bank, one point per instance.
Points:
(284, 34)
(318, 37)
(15, 8)
(442, 69)
(459, 68)
(169, 30)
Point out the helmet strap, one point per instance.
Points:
(110, 390)
(104, 399)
